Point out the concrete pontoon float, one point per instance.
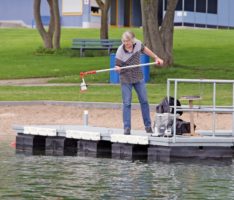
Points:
(86, 140)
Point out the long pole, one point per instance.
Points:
(82, 74)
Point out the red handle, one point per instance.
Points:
(82, 74)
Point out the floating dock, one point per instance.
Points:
(85, 140)
(111, 143)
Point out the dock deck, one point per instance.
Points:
(88, 140)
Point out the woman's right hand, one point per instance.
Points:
(117, 68)
(159, 61)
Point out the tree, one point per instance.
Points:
(159, 39)
(51, 38)
(104, 18)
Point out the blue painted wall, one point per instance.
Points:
(23, 10)
(17, 10)
(225, 13)
(231, 13)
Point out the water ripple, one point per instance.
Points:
(46, 177)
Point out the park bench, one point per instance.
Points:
(95, 44)
(44, 19)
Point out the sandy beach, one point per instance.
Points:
(73, 115)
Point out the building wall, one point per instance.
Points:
(225, 13)
(231, 13)
(15, 10)
(223, 18)
(72, 19)
(23, 10)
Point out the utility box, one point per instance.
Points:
(114, 76)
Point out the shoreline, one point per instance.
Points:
(67, 113)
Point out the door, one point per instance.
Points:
(127, 13)
(113, 13)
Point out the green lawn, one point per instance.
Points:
(111, 93)
(198, 53)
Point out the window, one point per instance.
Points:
(72, 7)
(179, 5)
(189, 5)
(94, 7)
(201, 6)
(212, 6)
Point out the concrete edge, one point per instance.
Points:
(104, 105)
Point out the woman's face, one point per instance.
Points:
(128, 44)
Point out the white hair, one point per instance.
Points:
(129, 35)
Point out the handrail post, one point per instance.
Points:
(232, 109)
(168, 89)
(214, 106)
(174, 117)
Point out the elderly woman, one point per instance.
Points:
(129, 54)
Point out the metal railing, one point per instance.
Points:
(213, 109)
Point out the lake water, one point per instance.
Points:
(58, 178)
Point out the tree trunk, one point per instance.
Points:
(167, 30)
(51, 25)
(150, 27)
(54, 29)
(159, 40)
(57, 26)
(145, 28)
(47, 39)
(104, 18)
